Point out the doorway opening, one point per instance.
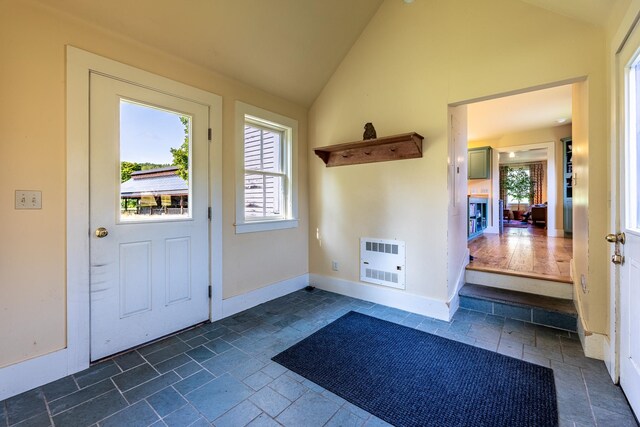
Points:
(519, 188)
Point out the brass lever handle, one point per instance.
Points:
(615, 238)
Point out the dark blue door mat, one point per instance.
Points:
(411, 378)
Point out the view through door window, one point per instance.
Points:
(154, 163)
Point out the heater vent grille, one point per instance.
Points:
(382, 262)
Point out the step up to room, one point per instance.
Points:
(551, 286)
(539, 309)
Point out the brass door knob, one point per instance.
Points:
(101, 232)
(615, 238)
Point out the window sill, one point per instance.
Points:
(257, 226)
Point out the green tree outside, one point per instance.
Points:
(518, 184)
(181, 154)
(126, 168)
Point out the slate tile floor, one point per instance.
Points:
(221, 373)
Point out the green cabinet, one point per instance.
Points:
(479, 166)
(567, 185)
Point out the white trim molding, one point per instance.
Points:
(595, 345)
(289, 126)
(395, 298)
(454, 297)
(233, 305)
(32, 373)
(551, 181)
(254, 226)
(555, 232)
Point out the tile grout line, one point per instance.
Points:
(179, 394)
(83, 402)
(46, 404)
(586, 387)
(120, 391)
(75, 381)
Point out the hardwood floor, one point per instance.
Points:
(523, 251)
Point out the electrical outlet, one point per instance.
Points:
(334, 265)
(28, 199)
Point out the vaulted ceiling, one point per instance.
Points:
(592, 11)
(289, 48)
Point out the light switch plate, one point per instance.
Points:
(28, 199)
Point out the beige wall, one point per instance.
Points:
(536, 136)
(583, 270)
(410, 63)
(32, 136)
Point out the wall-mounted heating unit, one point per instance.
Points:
(382, 262)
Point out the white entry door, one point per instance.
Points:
(148, 214)
(629, 222)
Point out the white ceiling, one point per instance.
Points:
(518, 113)
(524, 156)
(288, 48)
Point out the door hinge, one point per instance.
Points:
(210, 291)
(209, 134)
(209, 213)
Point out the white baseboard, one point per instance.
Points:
(594, 344)
(609, 359)
(382, 295)
(555, 232)
(454, 298)
(233, 305)
(32, 373)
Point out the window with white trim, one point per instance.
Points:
(266, 179)
(510, 199)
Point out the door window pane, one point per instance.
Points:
(154, 163)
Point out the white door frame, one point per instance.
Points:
(551, 182)
(620, 38)
(79, 64)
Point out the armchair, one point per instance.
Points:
(538, 214)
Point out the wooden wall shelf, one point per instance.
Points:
(396, 147)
